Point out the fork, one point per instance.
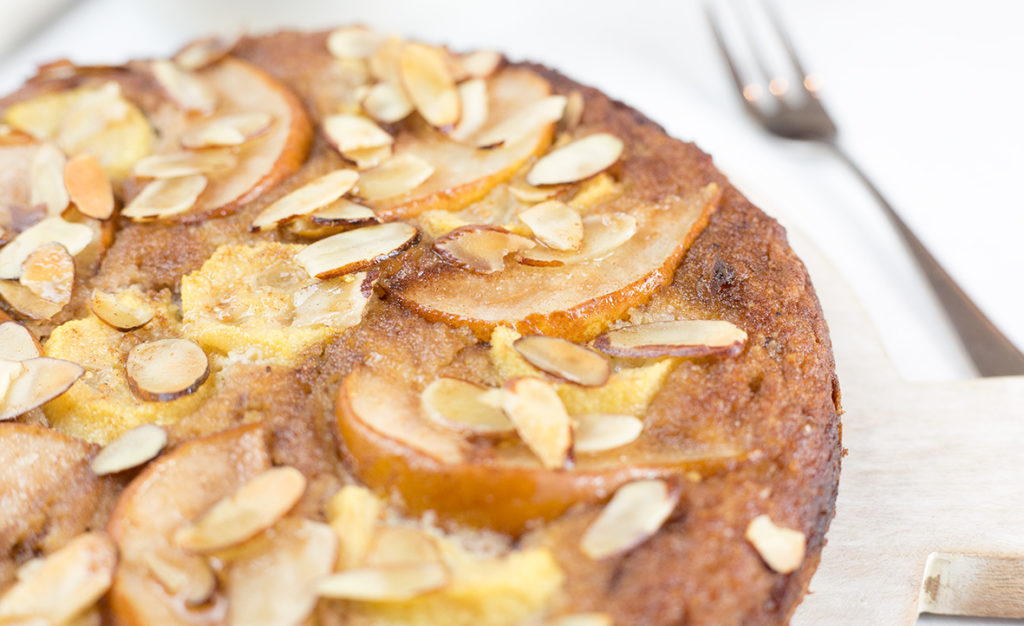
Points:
(807, 120)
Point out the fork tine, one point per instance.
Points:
(787, 43)
(741, 87)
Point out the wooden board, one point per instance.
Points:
(930, 515)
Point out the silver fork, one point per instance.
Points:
(806, 119)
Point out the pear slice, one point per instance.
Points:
(462, 174)
(395, 447)
(574, 301)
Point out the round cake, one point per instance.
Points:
(340, 328)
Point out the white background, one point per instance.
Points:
(927, 94)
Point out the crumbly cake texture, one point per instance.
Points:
(772, 406)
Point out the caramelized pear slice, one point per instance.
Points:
(573, 301)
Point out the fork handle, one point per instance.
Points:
(993, 354)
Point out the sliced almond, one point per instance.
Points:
(228, 130)
(580, 159)
(473, 100)
(555, 224)
(781, 548)
(597, 432)
(88, 186)
(10, 370)
(564, 359)
(368, 158)
(581, 619)
(385, 584)
(185, 576)
(47, 186)
(481, 63)
(531, 194)
(383, 63)
(387, 103)
(165, 369)
(177, 164)
(17, 343)
(24, 301)
(540, 418)
(125, 310)
(354, 42)
(347, 132)
(165, 197)
(306, 199)
(353, 513)
(344, 211)
(602, 234)
(430, 84)
(204, 52)
(335, 302)
(64, 583)
(692, 338)
(187, 89)
(402, 545)
(277, 585)
(462, 405)
(49, 272)
(73, 236)
(132, 448)
(523, 122)
(357, 249)
(400, 174)
(631, 517)
(573, 112)
(250, 510)
(480, 248)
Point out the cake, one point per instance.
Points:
(338, 328)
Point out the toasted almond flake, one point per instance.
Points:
(540, 419)
(781, 548)
(401, 545)
(348, 132)
(387, 103)
(187, 89)
(204, 52)
(354, 42)
(481, 63)
(177, 164)
(64, 583)
(581, 619)
(47, 182)
(27, 303)
(314, 195)
(353, 513)
(357, 249)
(10, 370)
(430, 84)
(385, 584)
(555, 224)
(573, 112)
(182, 575)
(531, 194)
(335, 302)
(564, 359)
(17, 343)
(228, 130)
(368, 158)
(165, 369)
(276, 586)
(125, 310)
(602, 234)
(400, 174)
(250, 510)
(73, 236)
(88, 187)
(133, 448)
(480, 248)
(691, 338)
(523, 122)
(597, 432)
(473, 100)
(344, 211)
(49, 272)
(580, 159)
(165, 197)
(631, 517)
(459, 404)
